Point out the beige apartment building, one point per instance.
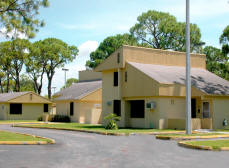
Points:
(146, 87)
(82, 101)
(23, 106)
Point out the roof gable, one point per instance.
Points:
(78, 90)
(23, 97)
(111, 62)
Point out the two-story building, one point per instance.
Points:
(146, 88)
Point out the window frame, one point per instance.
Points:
(115, 79)
(46, 108)
(71, 108)
(19, 106)
(118, 58)
(126, 76)
(134, 108)
(117, 107)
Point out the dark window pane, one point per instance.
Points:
(117, 107)
(118, 58)
(137, 109)
(115, 78)
(71, 108)
(46, 108)
(15, 108)
(126, 76)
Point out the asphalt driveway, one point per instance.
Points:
(83, 150)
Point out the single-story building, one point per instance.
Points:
(81, 101)
(23, 106)
(146, 88)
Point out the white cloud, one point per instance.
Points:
(79, 64)
(8, 35)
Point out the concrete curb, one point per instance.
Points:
(52, 141)
(11, 123)
(103, 133)
(201, 147)
(190, 137)
(69, 129)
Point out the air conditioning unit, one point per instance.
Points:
(109, 103)
(151, 105)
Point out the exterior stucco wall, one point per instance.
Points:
(84, 112)
(166, 108)
(29, 112)
(138, 83)
(109, 93)
(220, 112)
(89, 75)
(62, 108)
(162, 57)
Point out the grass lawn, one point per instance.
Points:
(194, 134)
(96, 128)
(11, 136)
(215, 144)
(17, 121)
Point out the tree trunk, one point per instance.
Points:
(8, 82)
(49, 88)
(50, 76)
(1, 85)
(17, 80)
(41, 82)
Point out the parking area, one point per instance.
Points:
(83, 150)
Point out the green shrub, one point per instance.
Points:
(112, 121)
(60, 118)
(40, 118)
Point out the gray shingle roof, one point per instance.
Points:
(4, 97)
(78, 90)
(201, 79)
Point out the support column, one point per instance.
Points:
(122, 122)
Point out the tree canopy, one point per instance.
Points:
(56, 54)
(216, 62)
(224, 40)
(69, 82)
(153, 29)
(20, 16)
(162, 31)
(35, 65)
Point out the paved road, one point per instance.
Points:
(82, 150)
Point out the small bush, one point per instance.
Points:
(60, 118)
(112, 121)
(40, 118)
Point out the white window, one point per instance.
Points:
(206, 110)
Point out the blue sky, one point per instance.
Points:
(85, 23)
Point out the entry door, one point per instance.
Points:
(206, 110)
(193, 107)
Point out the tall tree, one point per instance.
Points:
(224, 40)
(216, 62)
(2, 78)
(108, 46)
(56, 54)
(5, 61)
(26, 84)
(162, 31)
(35, 65)
(19, 50)
(69, 82)
(20, 15)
